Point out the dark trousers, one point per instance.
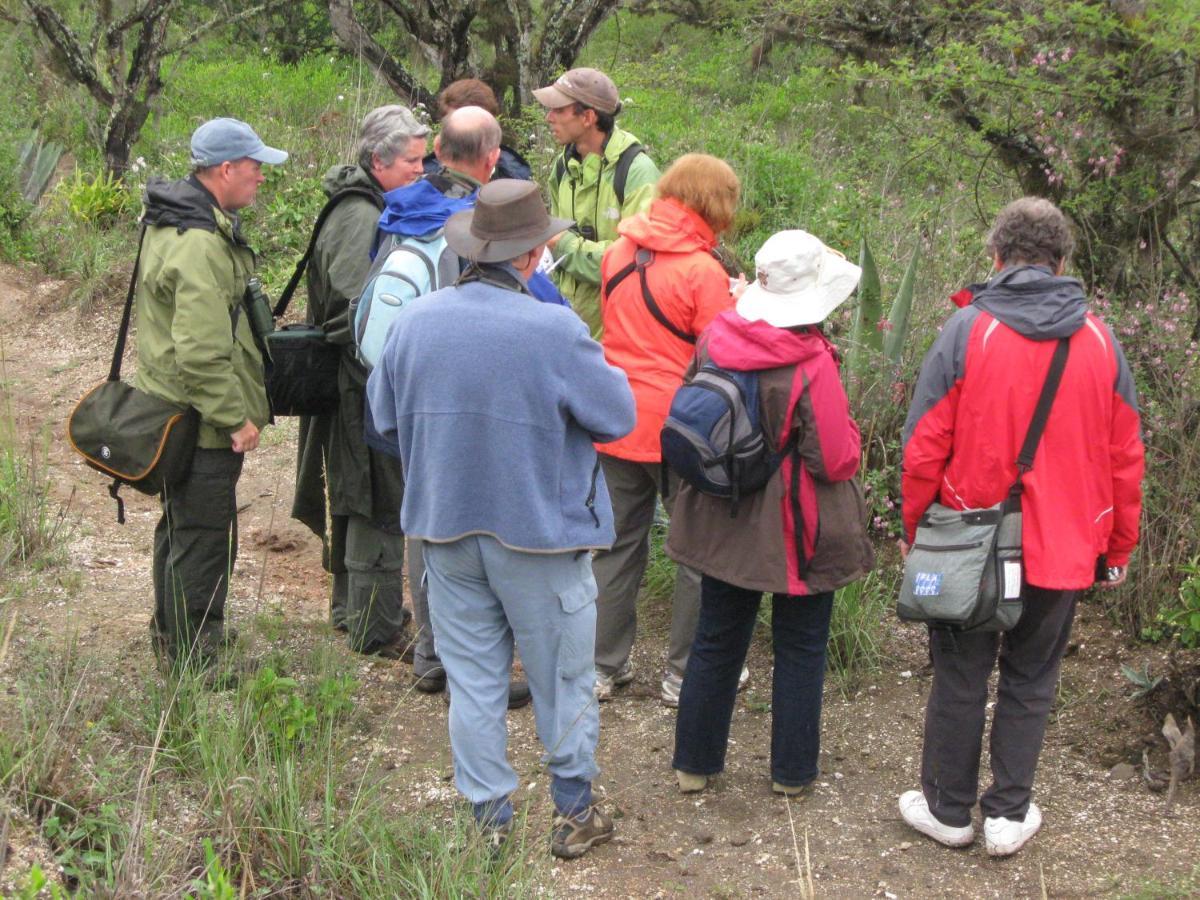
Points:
(195, 546)
(1030, 655)
(799, 633)
(367, 563)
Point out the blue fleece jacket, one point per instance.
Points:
(495, 401)
(420, 208)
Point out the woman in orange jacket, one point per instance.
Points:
(660, 287)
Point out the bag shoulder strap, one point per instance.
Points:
(1041, 412)
(560, 170)
(114, 370)
(641, 259)
(286, 297)
(621, 171)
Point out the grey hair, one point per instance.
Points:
(468, 134)
(1031, 230)
(386, 132)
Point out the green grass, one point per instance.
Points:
(266, 786)
(1169, 888)
(34, 526)
(858, 629)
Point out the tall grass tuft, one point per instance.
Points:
(858, 629)
(33, 524)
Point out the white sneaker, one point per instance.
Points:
(1004, 837)
(603, 689)
(672, 684)
(914, 809)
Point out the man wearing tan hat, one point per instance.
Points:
(602, 176)
(494, 401)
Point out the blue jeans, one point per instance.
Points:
(482, 597)
(799, 633)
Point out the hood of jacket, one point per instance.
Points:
(734, 342)
(419, 208)
(1035, 303)
(343, 176)
(183, 204)
(669, 226)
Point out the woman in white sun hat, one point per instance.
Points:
(801, 537)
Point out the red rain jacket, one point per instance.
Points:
(973, 402)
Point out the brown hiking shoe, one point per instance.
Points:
(574, 837)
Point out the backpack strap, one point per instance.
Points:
(286, 297)
(641, 259)
(114, 370)
(621, 172)
(560, 171)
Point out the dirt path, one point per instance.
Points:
(1104, 835)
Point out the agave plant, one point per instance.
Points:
(874, 336)
(36, 163)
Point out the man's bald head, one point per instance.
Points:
(469, 136)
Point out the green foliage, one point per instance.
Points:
(87, 842)
(867, 335)
(215, 884)
(1090, 104)
(33, 524)
(897, 321)
(99, 200)
(1180, 620)
(14, 208)
(1165, 887)
(36, 161)
(858, 629)
(278, 789)
(36, 884)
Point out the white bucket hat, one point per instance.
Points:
(799, 281)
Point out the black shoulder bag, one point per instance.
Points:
(134, 437)
(301, 365)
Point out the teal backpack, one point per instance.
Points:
(404, 269)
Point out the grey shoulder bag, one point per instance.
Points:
(964, 571)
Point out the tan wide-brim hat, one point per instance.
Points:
(509, 218)
(799, 281)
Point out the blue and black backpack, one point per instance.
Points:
(713, 436)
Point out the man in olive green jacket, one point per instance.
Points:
(195, 347)
(601, 177)
(360, 523)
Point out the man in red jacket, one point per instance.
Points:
(974, 400)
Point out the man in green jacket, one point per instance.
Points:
(195, 347)
(601, 176)
(360, 526)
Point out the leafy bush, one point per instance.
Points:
(1180, 619)
(99, 200)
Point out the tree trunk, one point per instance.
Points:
(355, 39)
(569, 24)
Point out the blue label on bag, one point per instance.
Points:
(927, 584)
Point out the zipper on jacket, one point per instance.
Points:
(590, 502)
(802, 561)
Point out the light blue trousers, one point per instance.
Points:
(482, 596)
